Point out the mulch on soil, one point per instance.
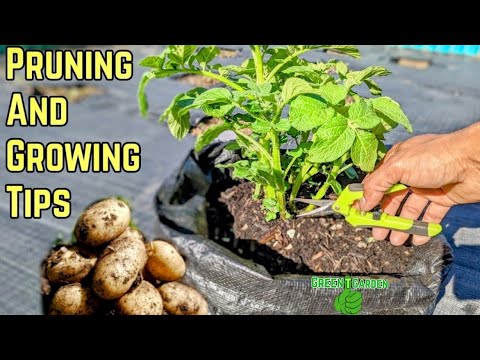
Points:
(306, 245)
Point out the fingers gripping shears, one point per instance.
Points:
(373, 219)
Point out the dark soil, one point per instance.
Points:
(299, 246)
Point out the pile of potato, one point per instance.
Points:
(111, 270)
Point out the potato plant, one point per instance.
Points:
(293, 118)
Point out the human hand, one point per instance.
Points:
(441, 171)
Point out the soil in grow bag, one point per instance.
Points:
(300, 246)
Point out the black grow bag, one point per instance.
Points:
(234, 285)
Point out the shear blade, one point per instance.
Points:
(324, 207)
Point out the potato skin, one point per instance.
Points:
(69, 264)
(164, 262)
(180, 299)
(74, 299)
(142, 300)
(119, 264)
(102, 222)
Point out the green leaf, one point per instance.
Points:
(270, 204)
(141, 96)
(210, 134)
(179, 125)
(212, 96)
(232, 146)
(350, 50)
(309, 112)
(382, 150)
(374, 87)
(206, 55)
(299, 69)
(363, 115)
(364, 150)
(217, 110)
(260, 126)
(283, 125)
(392, 110)
(294, 87)
(153, 62)
(300, 150)
(332, 93)
(342, 68)
(356, 77)
(333, 140)
(260, 90)
(181, 53)
(270, 216)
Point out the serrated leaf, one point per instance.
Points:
(283, 125)
(217, 110)
(299, 69)
(392, 110)
(386, 125)
(260, 126)
(341, 67)
(364, 150)
(179, 125)
(270, 204)
(333, 140)
(260, 90)
(141, 96)
(332, 93)
(211, 134)
(206, 55)
(270, 216)
(308, 112)
(153, 62)
(356, 77)
(294, 87)
(374, 88)
(212, 96)
(361, 113)
(181, 53)
(300, 150)
(350, 50)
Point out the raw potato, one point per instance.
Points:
(102, 222)
(164, 261)
(118, 266)
(69, 265)
(142, 300)
(180, 299)
(74, 299)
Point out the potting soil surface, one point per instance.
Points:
(326, 245)
(440, 98)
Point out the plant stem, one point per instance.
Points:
(221, 79)
(298, 183)
(326, 185)
(258, 59)
(284, 62)
(210, 75)
(289, 167)
(345, 168)
(278, 174)
(255, 144)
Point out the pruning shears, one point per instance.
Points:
(373, 219)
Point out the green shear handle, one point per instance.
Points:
(358, 218)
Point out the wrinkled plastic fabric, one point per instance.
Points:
(234, 285)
